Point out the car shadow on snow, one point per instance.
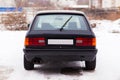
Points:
(66, 68)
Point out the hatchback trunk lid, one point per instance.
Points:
(60, 39)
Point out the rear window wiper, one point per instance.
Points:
(65, 23)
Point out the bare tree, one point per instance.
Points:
(21, 3)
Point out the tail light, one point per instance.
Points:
(85, 41)
(34, 41)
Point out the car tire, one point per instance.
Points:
(90, 65)
(28, 65)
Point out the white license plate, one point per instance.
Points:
(60, 41)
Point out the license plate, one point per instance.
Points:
(60, 41)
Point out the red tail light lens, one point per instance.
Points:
(85, 42)
(35, 42)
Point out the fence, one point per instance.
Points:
(10, 9)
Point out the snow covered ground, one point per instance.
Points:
(108, 58)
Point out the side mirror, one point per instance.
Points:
(93, 25)
(28, 25)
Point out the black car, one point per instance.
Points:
(60, 35)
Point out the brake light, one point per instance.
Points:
(85, 41)
(34, 41)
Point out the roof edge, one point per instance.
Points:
(60, 11)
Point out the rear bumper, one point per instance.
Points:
(60, 55)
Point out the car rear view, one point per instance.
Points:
(60, 36)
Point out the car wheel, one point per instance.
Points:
(28, 65)
(90, 65)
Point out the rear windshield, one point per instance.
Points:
(58, 21)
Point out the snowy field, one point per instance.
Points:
(108, 58)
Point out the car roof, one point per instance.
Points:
(60, 11)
